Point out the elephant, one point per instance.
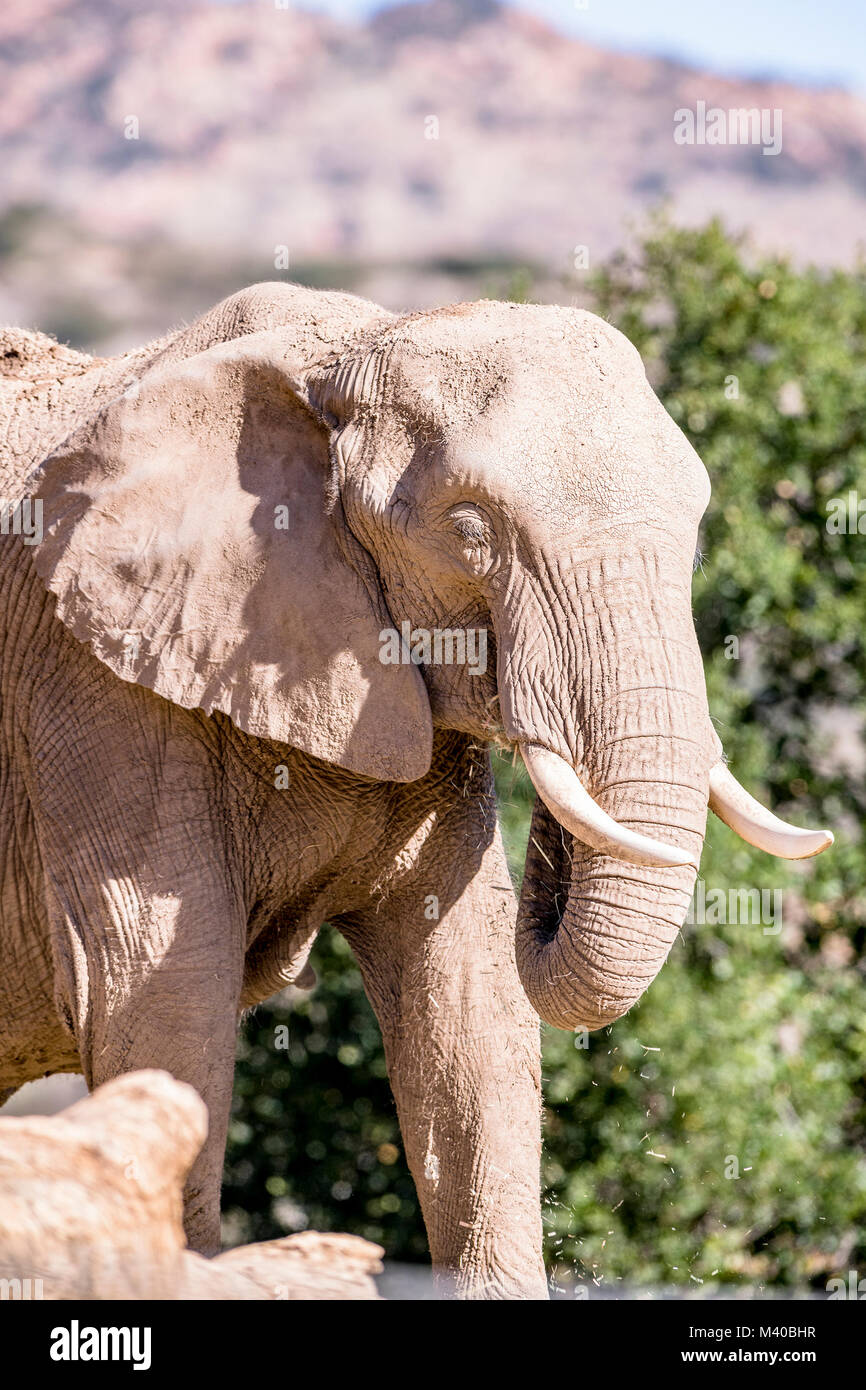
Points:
(209, 748)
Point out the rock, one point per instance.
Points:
(310, 1265)
(91, 1208)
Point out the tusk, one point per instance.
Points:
(758, 826)
(567, 799)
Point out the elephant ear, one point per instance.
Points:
(193, 538)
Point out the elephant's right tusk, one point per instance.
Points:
(758, 826)
(567, 799)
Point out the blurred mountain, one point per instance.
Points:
(142, 139)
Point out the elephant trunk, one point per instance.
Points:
(593, 930)
(612, 856)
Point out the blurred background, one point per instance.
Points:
(158, 155)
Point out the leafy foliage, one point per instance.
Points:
(716, 1134)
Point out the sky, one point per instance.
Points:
(812, 41)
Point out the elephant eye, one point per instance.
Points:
(469, 524)
(475, 538)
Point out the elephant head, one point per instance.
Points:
(489, 469)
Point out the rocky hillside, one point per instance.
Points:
(439, 134)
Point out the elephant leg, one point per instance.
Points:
(462, 1048)
(150, 979)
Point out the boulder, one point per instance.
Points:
(91, 1208)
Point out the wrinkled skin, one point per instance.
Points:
(167, 648)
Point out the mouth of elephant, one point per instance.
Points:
(548, 874)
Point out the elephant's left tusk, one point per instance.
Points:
(758, 826)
